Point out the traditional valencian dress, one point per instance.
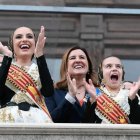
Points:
(113, 110)
(27, 104)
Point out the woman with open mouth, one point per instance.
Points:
(23, 83)
(71, 102)
(116, 105)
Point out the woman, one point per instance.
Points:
(71, 101)
(22, 82)
(116, 105)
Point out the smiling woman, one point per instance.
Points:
(22, 42)
(22, 82)
(71, 98)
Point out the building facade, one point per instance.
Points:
(102, 34)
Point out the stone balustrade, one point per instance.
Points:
(69, 132)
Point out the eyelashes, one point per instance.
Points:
(20, 36)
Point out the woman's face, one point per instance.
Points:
(77, 63)
(23, 42)
(112, 72)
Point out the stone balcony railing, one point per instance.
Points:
(69, 132)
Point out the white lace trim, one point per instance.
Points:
(19, 96)
(121, 99)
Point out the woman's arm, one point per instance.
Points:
(61, 110)
(4, 68)
(134, 111)
(45, 77)
(90, 116)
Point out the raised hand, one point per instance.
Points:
(90, 89)
(134, 89)
(5, 51)
(40, 42)
(71, 86)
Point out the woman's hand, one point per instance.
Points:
(40, 42)
(90, 89)
(72, 87)
(134, 89)
(5, 51)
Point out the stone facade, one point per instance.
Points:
(100, 34)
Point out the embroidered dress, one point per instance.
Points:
(34, 114)
(121, 99)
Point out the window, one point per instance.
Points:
(54, 68)
(132, 69)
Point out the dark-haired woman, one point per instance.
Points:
(24, 84)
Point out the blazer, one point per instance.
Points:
(62, 111)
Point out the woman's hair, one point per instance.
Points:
(62, 84)
(100, 72)
(10, 42)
